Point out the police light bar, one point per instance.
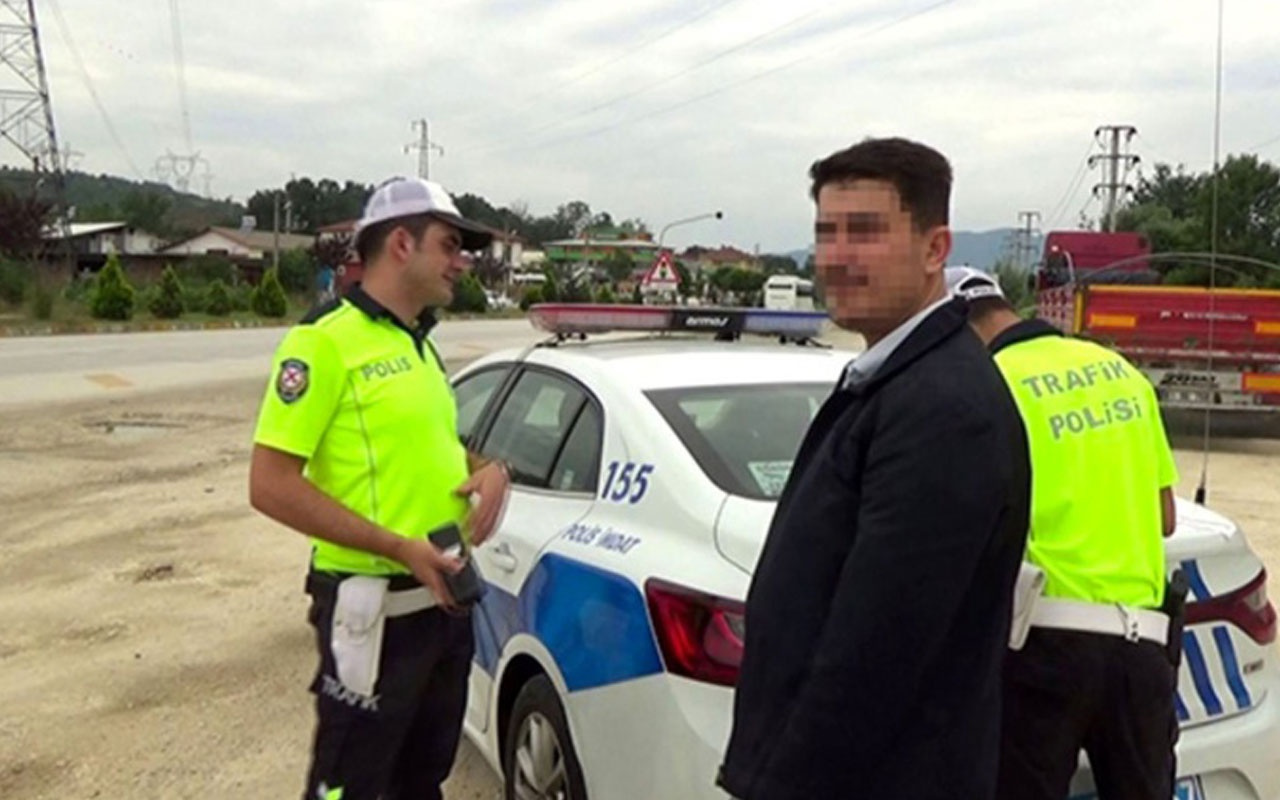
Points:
(564, 319)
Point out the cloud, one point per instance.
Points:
(662, 109)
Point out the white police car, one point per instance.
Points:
(645, 472)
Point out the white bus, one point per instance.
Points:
(788, 293)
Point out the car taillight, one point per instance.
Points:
(1247, 608)
(700, 634)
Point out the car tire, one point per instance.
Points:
(538, 758)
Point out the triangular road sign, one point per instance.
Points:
(662, 273)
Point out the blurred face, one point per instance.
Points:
(875, 268)
(432, 264)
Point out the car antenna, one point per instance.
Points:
(1202, 489)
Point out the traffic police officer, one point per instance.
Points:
(357, 447)
(1097, 669)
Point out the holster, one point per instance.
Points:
(1026, 593)
(1175, 606)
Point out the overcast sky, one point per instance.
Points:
(661, 109)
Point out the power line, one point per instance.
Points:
(1080, 215)
(594, 69)
(562, 121)
(180, 68)
(735, 84)
(1073, 187)
(1266, 143)
(93, 92)
(646, 43)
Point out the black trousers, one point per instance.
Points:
(1067, 691)
(401, 744)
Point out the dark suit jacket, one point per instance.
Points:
(878, 615)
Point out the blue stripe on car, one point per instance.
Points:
(595, 623)
(1200, 674)
(1231, 666)
(1199, 590)
(1180, 707)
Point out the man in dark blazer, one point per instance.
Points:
(879, 612)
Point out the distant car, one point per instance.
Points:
(497, 300)
(645, 472)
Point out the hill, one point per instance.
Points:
(151, 205)
(981, 249)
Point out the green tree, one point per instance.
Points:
(532, 296)
(778, 265)
(468, 295)
(217, 299)
(113, 297)
(550, 288)
(297, 271)
(1174, 210)
(147, 210)
(606, 295)
(1013, 282)
(14, 279)
(22, 223)
(167, 302)
(268, 297)
(619, 266)
(208, 268)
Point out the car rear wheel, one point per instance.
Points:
(539, 761)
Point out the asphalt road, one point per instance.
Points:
(44, 369)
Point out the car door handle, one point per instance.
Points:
(502, 558)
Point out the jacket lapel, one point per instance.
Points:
(939, 326)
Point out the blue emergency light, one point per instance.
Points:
(568, 319)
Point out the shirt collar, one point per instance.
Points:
(864, 367)
(364, 301)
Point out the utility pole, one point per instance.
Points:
(1114, 183)
(26, 114)
(1026, 248)
(275, 232)
(424, 146)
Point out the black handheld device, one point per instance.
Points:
(466, 586)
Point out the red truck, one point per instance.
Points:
(1201, 348)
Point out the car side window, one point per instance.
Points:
(578, 467)
(472, 395)
(532, 425)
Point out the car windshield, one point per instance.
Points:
(744, 437)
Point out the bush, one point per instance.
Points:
(268, 297)
(637, 297)
(297, 272)
(206, 269)
(217, 299)
(606, 295)
(468, 295)
(241, 297)
(550, 289)
(14, 279)
(79, 290)
(532, 296)
(113, 297)
(42, 301)
(167, 303)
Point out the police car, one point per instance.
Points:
(645, 469)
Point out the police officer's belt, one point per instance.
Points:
(409, 601)
(1114, 619)
(404, 594)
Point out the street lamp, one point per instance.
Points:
(662, 234)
